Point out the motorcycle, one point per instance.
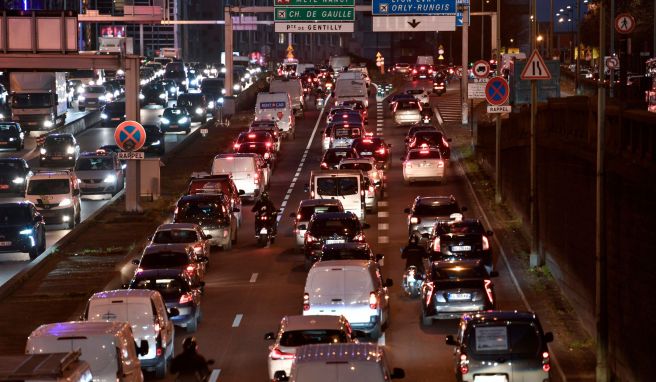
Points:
(265, 227)
(439, 88)
(412, 282)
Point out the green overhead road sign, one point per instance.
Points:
(314, 14)
(314, 3)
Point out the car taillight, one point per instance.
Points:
(429, 292)
(440, 163)
(268, 144)
(486, 243)
(267, 155)
(373, 300)
(436, 244)
(298, 216)
(464, 364)
(324, 165)
(277, 354)
(306, 301)
(414, 71)
(414, 220)
(159, 352)
(546, 366)
(488, 290)
(381, 151)
(359, 237)
(198, 247)
(256, 178)
(371, 188)
(263, 217)
(186, 298)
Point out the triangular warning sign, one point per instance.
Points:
(535, 68)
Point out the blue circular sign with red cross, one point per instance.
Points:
(497, 91)
(130, 136)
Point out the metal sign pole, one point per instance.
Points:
(133, 180)
(465, 58)
(228, 51)
(497, 159)
(536, 258)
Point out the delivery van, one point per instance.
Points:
(293, 87)
(277, 107)
(246, 172)
(345, 185)
(347, 89)
(56, 367)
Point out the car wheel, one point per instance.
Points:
(234, 240)
(192, 326)
(71, 223)
(162, 369)
(187, 131)
(34, 253)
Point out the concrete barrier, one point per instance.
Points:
(74, 127)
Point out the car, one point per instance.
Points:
(485, 337)
(155, 141)
(423, 164)
(409, 135)
(59, 149)
(296, 331)
(340, 110)
(399, 97)
(178, 256)
(407, 112)
(212, 212)
(217, 184)
(342, 135)
(352, 288)
(183, 233)
(247, 137)
(99, 172)
(430, 139)
(56, 195)
(270, 127)
(154, 94)
(94, 97)
(375, 148)
(263, 149)
(306, 209)
(11, 136)
(175, 119)
(452, 288)
(426, 210)
(461, 239)
(333, 156)
(422, 72)
(22, 229)
(179, 290)
(402, 68)
(196, 105)
(358, 106)
(247, 171)
(213, 89)
(420, 95)
(14, 174)
(114, 87)
(331, 228)
(349, 251)
(113, 114)
(347, 117)
(171, 88)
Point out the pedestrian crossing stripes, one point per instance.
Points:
(450, 109)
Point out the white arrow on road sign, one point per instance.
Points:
(535, 68)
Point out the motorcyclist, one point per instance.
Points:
(189, 365)
(264, 205)
(414, 254)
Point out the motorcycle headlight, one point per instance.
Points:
(199, 111)
(26, 231)
(162, 96)
(42, 151)
(156, 143)
(103, 116)
(47, 123)
(165, 121)
(141, 96)
(18, 180)
(65, 202)
(110, 178)
(223, 91)
(172, 89)
(236, 87)
(80, 89)
(70, 150)
(183, 120)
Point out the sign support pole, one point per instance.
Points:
(133, 178)
(497, 159)
(465, 58)
(536, 258)
(228, 51)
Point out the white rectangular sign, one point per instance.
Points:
(123, 155)
(244, 23)
(413, 23)
(322, 27)
(499, 109)
(476, 90)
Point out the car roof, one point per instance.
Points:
(436, 200)
(235, 155)
(300, 322)
(60, 174)
(124, 293)
(77, 328)
(22, 203)
(170, 226)
(358, 160)
(349, 352)
(160, 273)
(193, 197)
(319, 202)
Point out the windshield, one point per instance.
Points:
(116, 107)
(347, 132)
(11, 164)
(164, 260)
(339, 186)
(14, 215)
(95, 89)
(91, 164)
(435, 209)
(432, 138)
(307, 212)
(200, 210)
(48, 187)
(407, 106)
(167, 287)
(57, 141)
(334, 156)
(424, 154)
(306, 337)
(516, 338)
(175, 236)
(8, 128)
(31, 100)
(460, 227)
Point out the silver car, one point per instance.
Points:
(99, 173)
(427, 210)
(306, 209)
(407, 112)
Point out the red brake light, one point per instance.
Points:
(266, 155)
(414, 70)
(186, 298)
(298, 216)
(444, 142)
(268, 144)
(309, 238)
(423, 67)
(367, 141)
(236, 146)
(190, 268)
(306, 301)
(159, 352)
(414, 220)
(436, 244)
(546, 366)
(373, 300)
(381, 151)
(251, 135)
(464, 364)
(359, 237)
(324, 165)
(278, 354)
(424, 152)
(198, 246)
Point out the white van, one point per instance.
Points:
(355, 88)
(345, 185)
(56, 367)
(276, 107)
(146, 312)
(353, 288)
(341, 363)
(108, 347)
(245, 170)
(293, 87)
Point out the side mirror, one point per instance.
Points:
(366, 226)
(451, 341)
(236, 209)
(302, 227)
(280, 376)
(292, 215)
(548, 337)
(242, 192)
(494, 274)
(489, 233)
(136, 261)
(463, 209)
(397, 373)
(173, 312)
(142, 349)
(425, 235)
(389, 283)
(406, 210)
(270, 336)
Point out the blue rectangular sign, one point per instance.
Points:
(272, 105)
(413, 7)
(459, 14)
(520, 90)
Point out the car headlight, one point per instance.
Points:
(247, 75)
(172, 89)
(65, 202)
(11, 139)
(70, 150)
(220, 100)
(110, 179)
(210, 105)
(162, 96)
(18, 180)
(223, 91)
(80, 89)
(165, 121)
(109, 95)
(80, 98)
(42, 151)
(47, 123)
(184, 82)
(183, 120)
(141, 96)
(103, 116)
(143, 82)
(2, 116)
(120, 72)
(102, 98)
(236, 87)
(199, 111)
(156, 143)
(194, 82)
(26, 231)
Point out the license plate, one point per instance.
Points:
(341, 241)
(490, 378)
(174, 126)
(459, 296)
(459, 248)
(426, 164)
(55, 158)
(4, 186)
(263, 231)
(5, 243)
(366, 153)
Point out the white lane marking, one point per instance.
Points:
(383, 226)
(383, 239)
(383, 214)
(253, 277)
(214, 375)
(237, 321)
(381, 340)
(382, 203)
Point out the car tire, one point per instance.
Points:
(71, 223)
(161, 369)
(425, 321)
(192, 326)
(187, 131)
(34, 253)
(234, 240)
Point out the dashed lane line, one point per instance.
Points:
(214, 375)
(253, 277)
(237, 320)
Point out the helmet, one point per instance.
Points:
(189, 343)
(265, 195)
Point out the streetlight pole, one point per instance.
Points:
(578, 45)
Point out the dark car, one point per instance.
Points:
(452, 288)
(13, 174)
(178, 289)
(175, 119)
(333, 156)
(431, 139)
(359, 106)
(178, 256)
(11, 136)
(22, 229)
(349, 251)
(398, 97)
(254, 137)
(113, 114)
(331, 228)
(196, 105)
(154, 143)
(212, 88)
(176, 71)
(427, 210)
(154, 94)
(422, 72)
(374, 148)
(171, 88)
(213, 213)
(59, 149)
(415, 129)
(461, 239)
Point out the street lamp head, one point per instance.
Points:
(561, 10)
(557, 14)
(540, 38)
(569, 7)
(569, 20)
(560, 20)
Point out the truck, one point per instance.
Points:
(122, 45)
(54, 367)
(339, 63)
(38, 99)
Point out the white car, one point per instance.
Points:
(56, 195)
(178, 233)
(420, 94)
(374, 176)
(297, 331)
(423, 164)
